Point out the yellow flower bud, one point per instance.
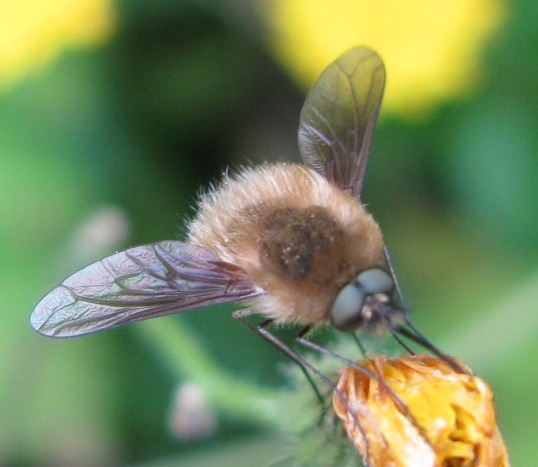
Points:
(449, 421)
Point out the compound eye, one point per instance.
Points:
(346, 310)
(375, 281)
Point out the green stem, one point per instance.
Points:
(187, 359)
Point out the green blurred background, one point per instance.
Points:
(107, 148)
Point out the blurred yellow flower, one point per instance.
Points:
(450, 418)
(33, 32)
(431, 48)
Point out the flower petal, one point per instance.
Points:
(450, 418)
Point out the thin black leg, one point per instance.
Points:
(359, 345)
(262, 332)
(394, 278)
(349, 363)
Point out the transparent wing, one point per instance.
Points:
(138, 284)
(339, 115)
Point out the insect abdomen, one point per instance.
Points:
(302, 244)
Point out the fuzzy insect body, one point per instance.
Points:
(293, 241)
(298, 237)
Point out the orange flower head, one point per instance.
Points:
(419, 412)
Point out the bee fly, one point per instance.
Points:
(292, 241)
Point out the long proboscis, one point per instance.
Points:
(413, 334)
(410, 331)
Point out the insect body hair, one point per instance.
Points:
(299, 237)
